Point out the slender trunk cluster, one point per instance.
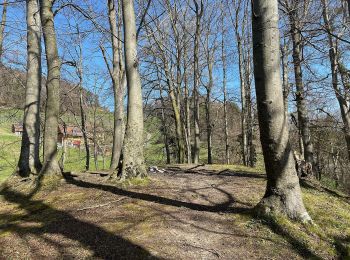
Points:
(118, 85)
(303, 118)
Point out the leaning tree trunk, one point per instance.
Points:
(29, 161)
(303, 119)
(2, 26)
(118, 88)
(133, 155)
(283, 194)
(51, 166)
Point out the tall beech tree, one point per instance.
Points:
(29, 161)
(283, 193)
(50, 165)
(133, 154)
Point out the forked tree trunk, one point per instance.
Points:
(29, 161)
(133, 155)
(283, 194)
(118, 88)
(51, 166)
(2, 26)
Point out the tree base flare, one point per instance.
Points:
(133, 171)
(284, 205)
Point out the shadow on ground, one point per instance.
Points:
(103, 244)
(222, 207)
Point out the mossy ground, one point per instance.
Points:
(190, 215)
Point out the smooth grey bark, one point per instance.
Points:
(199, 13)
(133, 154)
(303, 118)
(29, 161)
(334, 60)
(118, 86)
(2, 27)
(50, 165)
(283, 193)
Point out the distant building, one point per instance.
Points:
(71, 135)
(17, 129)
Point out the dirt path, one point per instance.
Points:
(178, 215)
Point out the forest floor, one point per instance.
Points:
(203, 213)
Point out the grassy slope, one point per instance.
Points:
(9, 143)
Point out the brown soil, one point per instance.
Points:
(198, 214)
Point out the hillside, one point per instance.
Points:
(12, 91)
(201, 213)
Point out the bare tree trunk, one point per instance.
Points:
(2, 26)
(118, 88)
(244, 142)
(83, 123)
(208, 107)
(51, 166)
(188, 120)
(224, 82)
(251, 154)
(133, 155)
(285, 72)
(199, 13)
(334, 57)
(177, 115)
(283, 194)
(303, 119)
(164, 129)
(29, 161)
